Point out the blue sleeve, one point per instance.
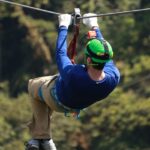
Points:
(98, 34)
(111, 69)
(63, 62)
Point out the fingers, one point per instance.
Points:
(65, 20)
(91, 21)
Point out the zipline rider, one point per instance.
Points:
(76, 87)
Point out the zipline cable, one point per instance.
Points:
(30, 7)
(98, 15)
(117, 13)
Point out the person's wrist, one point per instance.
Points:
(94, 24)
(94, 27)
(62, 27)
(63, 23)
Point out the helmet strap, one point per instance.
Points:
(105, 47)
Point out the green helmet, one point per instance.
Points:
(100, 51)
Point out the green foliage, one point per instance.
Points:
(120, 122)
(27, 50)
(15, 113)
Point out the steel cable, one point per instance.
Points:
(30, 7)
(116, 13)
(97, 15)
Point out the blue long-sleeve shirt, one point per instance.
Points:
(74, 87)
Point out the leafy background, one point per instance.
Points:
(27, 50)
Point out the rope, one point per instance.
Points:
(116, 13)
(29, 7)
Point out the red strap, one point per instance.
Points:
(71, 52)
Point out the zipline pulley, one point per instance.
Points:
(76, 15)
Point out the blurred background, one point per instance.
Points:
(27, 50)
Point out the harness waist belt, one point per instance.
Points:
(55, 97)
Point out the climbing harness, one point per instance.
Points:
(75, 114)
(72, 45)
(67, 110)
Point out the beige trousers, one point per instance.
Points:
(42, 110)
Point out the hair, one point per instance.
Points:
(98, 66)
(95, 65)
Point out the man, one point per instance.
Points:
(76, 87)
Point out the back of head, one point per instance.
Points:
(100, 52)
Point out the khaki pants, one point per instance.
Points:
(42, 110)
